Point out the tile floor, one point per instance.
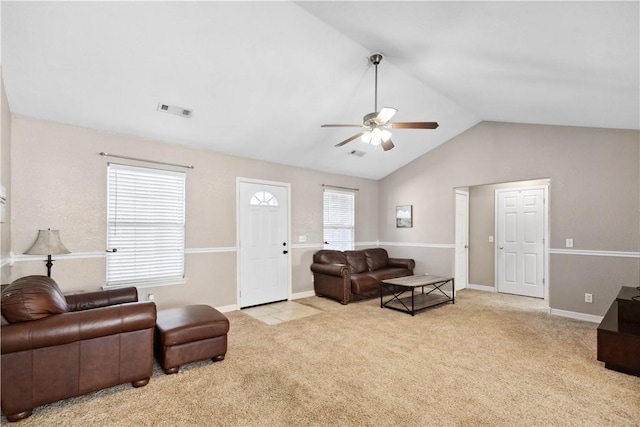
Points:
(279, 312)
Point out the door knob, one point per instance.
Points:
(285, 252)
(466, 246)
(501, 247)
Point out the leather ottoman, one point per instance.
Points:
(188, 334)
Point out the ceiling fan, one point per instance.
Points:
(375, 126)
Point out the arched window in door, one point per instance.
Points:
(263, 198)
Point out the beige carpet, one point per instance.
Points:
(488, 360)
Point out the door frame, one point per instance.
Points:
(287, 187)
(455, 250)
(545, 246)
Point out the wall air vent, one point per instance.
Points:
(173, 109)
(357, 153)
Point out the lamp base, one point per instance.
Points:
(49, 264)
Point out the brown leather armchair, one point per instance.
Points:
(55, 346)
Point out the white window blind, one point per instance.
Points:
(338, 218)
(146, 224)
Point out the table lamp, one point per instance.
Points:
(48, 243)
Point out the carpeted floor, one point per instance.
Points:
(489, 360)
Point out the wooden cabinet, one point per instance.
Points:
(619, 333)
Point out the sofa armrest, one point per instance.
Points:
(105, 298)
(65, 328)
(338, 270)
(407, 263)
(332, 280)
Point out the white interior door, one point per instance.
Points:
(263, 248)
(462, 240)
(520, 241)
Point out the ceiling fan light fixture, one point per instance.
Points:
(366, 137)
(376, 136)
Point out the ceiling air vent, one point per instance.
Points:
(357, 153)
(174, 109)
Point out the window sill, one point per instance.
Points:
(148, 284)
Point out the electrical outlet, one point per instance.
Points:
(588, 297)
(569, 243)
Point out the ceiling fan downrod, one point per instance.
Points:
(375, 59)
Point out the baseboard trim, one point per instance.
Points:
(484, 288)
(227, 308)
(575, 315)
(305, 294)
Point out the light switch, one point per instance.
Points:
(569, 243)
(490, 239)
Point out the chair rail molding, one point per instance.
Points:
(619, 254)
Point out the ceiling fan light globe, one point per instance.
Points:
(385, 135)
(366, 137)
(376, 137)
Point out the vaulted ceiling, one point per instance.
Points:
(261, 77)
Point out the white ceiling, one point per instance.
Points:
(261, 77)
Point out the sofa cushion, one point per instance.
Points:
(364, 283)
(389, 273)
(32, 298)
(377, 258)
(329, 257)
(356, 261)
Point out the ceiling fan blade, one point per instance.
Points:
(388, 145)
(414, 125)
(358, 135)
(340, 126)
(386, 114)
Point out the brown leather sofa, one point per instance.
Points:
(55, 346)
(352, 275)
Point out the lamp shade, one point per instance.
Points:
(48, 243)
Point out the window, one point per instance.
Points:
(145, 226)
(338, 218)
(263, 198)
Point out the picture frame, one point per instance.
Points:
(404, 216)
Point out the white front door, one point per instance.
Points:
(263, 248)
(520, 241)
(462, 240)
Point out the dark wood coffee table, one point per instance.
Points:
(415, 302)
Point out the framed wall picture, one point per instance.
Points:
(404, 216)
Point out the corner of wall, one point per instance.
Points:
(5, 181)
